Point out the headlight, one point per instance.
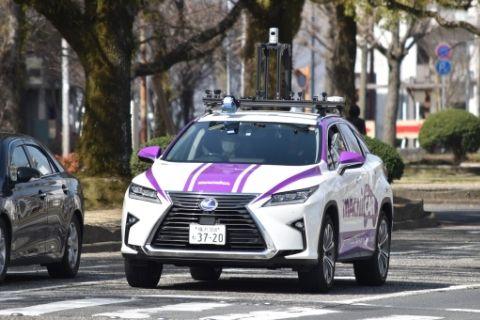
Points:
(142, 193)
(290, 197)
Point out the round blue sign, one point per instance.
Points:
(443, 67)
(444, 51)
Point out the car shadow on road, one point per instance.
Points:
(286, 285)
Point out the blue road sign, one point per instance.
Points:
(443, 67)
(444, 51)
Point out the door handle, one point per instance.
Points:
(65, 189)
(42, 194)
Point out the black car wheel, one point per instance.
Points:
(205, 273)
(4, 250)
(68, 267)
(320, 278)
(374, 271)
(142, 274)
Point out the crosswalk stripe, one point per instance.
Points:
(464, 310)
(147, 312)
(405, 317)
(57, 306)
(294, 312)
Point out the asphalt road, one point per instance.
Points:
(435, 274)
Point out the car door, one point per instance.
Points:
(30, 217)
(55, 188)
(357, 235)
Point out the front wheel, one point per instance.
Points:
(4, 250)
(320, 278)
(205, 273)
(68, 267)
(374, 271)
(142, 274)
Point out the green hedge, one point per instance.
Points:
(454, 130)
(137, 166)
(390, 156)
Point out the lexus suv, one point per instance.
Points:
(260, 188)
(41, 209)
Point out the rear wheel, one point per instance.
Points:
(205, 273)
(68, 267)
(320, 278)
(142, 274)
(374, 271)
(4, 249)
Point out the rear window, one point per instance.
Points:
(248, 142)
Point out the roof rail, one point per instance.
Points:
(327, 105)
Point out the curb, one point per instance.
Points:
(101, 247)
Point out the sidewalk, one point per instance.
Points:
(461, 194)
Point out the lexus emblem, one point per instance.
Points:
(209, 204)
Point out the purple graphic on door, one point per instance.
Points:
(365, 206)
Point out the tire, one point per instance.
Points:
(4, 250)
(320, 278)
(206, 273)
(374, 271)
(142, 274)
(68, 266)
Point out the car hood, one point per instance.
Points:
(229, 178)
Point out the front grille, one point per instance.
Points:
(242, 233)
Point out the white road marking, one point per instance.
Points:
(294, 312)
(57, 306)
(50, 288)
(407, 293)
(405, 317)
(185, 296)
(464, 310)
(145, 313)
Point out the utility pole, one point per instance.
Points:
(65, 101)
(242, 66)
(228, 57)
(312, 53)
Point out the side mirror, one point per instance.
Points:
(25, 174)
(149, 154)
(349, 159)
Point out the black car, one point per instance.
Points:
(41, 209)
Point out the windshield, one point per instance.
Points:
(248, 142)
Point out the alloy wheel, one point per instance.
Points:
(383, 244)
(328, 253)
(72, 245)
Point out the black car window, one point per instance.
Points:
(350, 138)
(39, 160)
(19, 158)
(336, 145)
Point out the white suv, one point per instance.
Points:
(260, 188)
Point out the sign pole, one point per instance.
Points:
(65, 101)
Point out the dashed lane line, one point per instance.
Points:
(294, 312)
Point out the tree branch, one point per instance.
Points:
(422, 13)
(66, 16)
(187, 50)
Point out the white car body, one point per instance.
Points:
(355, 196)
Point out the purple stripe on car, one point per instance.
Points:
(154, 183)
(245, 177)
(190, 177)
(219, 177)
(356, 241)
(312, 172)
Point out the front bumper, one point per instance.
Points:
(285, 245)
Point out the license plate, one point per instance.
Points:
(204, 234)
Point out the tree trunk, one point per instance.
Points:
(163, 120)
(186, 100)
(342, 62)
(391, 107)
(105, 143)
(11, 65)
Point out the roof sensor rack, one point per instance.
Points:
(284, 97)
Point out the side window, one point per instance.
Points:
(19, 158)
(351, 139)
(336, 145)
(39, 160)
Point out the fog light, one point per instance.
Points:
(129, 222)
(299, 225)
